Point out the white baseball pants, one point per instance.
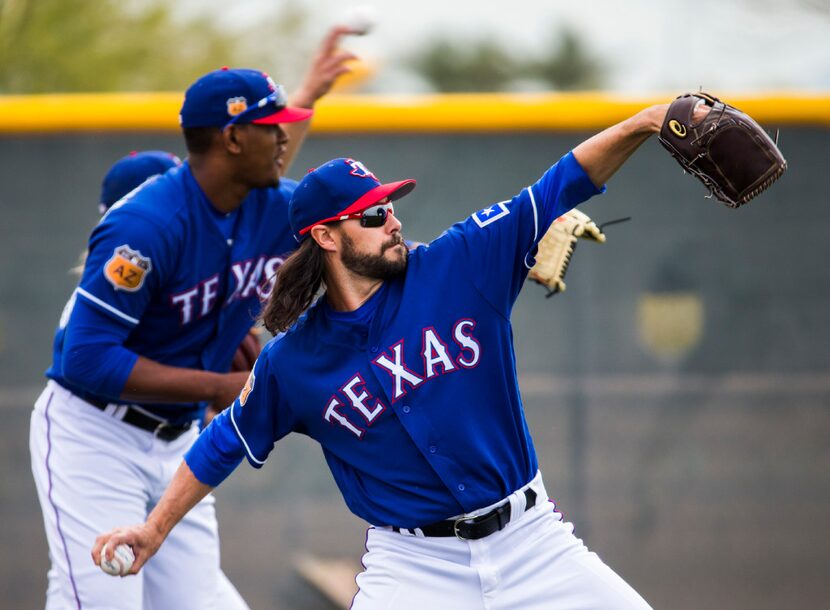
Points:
(93, 473)
(534, 563)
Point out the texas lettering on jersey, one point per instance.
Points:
(435, 360)
(251, 277)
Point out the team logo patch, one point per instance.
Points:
(127, 269)
(237, 105)
(272, 86)
(246, 390)
(360, 170)
(490, 215)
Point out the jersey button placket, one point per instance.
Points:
(406, 409)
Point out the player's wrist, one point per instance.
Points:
(303, 98)
(216, 385)
(155, 532)
(656, 117)
(646, 122)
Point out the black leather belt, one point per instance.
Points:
(160, 428)
(474, 528)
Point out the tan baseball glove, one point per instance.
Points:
(557, 246)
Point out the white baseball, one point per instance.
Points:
(361, 19)
(122, 560)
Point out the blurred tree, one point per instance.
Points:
(450, 65)
(105, 45)
(112, 45)
(568, 65)
(282, 42)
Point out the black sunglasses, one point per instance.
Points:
(373, 217)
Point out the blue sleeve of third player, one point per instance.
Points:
(249, 428)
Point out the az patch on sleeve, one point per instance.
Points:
(127, 269)
(246, 391)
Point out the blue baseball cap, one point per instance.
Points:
(336, 189)
(227, 96)
(129, 172)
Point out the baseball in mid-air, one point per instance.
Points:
(361, 19)
(122, 560)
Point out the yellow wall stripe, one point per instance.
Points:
(411, 113)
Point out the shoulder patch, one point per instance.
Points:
(492, 214)
(127, 269)
(246, 390)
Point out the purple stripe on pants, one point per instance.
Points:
(52, 502)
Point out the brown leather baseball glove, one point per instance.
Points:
(728, 151)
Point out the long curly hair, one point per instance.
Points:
(298, 282)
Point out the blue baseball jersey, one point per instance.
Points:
(414, 397)
(169, 278)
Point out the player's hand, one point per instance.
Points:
(211, 411)
(144, 540)
(248, 351)
(330, 62)
(229, 387)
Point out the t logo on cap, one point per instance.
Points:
(360, 170)
(336, 189)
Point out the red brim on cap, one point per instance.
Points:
(393, 190)
(289, 114)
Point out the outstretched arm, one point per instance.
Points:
(328, 65)
(184, 492)
(603, 154)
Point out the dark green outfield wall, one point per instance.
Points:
(678, 392)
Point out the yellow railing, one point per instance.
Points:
(406, 113)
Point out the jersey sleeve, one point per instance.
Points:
(128, 257)
(496, 245)
(259, 415)
(94, 357)
(249, 428)
(217, 452)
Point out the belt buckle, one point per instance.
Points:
(166, 432)
(455, 528)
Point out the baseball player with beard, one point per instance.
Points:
(174, 278)
(404, 372)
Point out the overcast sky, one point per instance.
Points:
(648, 45)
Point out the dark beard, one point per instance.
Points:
(374, 266)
